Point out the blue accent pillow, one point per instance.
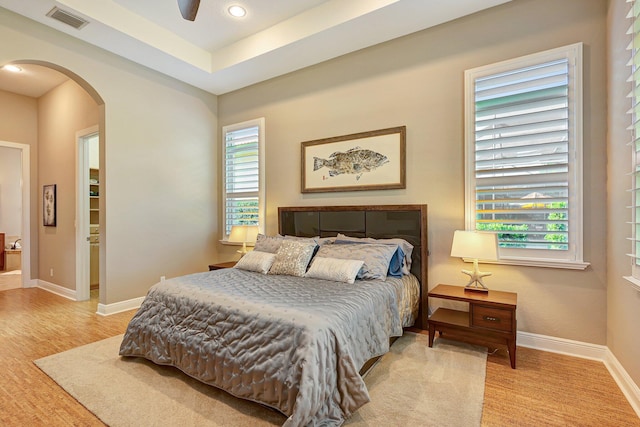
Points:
(395, 265)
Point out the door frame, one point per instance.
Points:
(83, 248)
(25, 255)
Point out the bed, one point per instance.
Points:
(295, 344)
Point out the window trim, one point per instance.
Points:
(634, 277)
(260, 123)
(574, 53)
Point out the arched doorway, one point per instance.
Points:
(53, 271)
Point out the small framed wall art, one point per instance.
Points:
(373, 160)
(49, 205)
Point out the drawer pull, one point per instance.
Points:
(491, 319)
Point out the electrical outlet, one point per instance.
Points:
(162, 278)
(51, 272)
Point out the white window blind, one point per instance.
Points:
(523, 162)
(634, 47)
(243, 173)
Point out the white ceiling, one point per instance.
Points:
(219, 53)
(33, 81)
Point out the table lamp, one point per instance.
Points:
(243, 234)
(475, 245)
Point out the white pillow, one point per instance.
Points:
(256, 261)
(338, 270)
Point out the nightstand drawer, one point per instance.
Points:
(491, 318)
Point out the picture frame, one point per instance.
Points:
(49, 205)
(373, 160)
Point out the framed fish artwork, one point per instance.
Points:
(373, 160)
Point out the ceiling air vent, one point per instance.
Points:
(67, 18)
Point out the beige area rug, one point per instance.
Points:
(411, 385)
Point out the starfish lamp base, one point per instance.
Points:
(475, 279)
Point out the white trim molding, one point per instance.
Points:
(103, 309)
(57, 289)
(119, 307)
(562, 346)
(624, 381)
(31, 283)
(590, 351)
(547, 263)
(635, 283)
(82, 222)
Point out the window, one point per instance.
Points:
(634, 47)
(243, 164)
(523, 153)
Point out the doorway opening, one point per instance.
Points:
(16, 210)
(42, 246)
(88, 196)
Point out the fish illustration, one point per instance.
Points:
(353, 161)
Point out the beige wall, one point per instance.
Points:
(19, 124)
(18, 118)
(159, 161)
(417, 81)
(160, 157)
(62, 112)
(623, 302)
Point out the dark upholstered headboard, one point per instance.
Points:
(408, 222)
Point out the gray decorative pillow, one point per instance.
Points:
(292, 258)
(319, 240)
(401, 260)
(299, 238)
(268, 243)
(376, 257)
(338, 270)
(256, 261)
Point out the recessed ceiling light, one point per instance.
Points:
(12, 68)
(237, 11)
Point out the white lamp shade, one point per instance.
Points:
(475, 245)
(243, 233)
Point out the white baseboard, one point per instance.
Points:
(562, 346)
(626, 384)
(33, 283)
(57, 289)
(524, 339)
(103, 309)
(584, 350)
(118, 307)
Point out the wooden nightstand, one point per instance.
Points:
(221, 265)
(491, 317)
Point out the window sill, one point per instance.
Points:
(228, 243)
(546, 263)
(635, 283)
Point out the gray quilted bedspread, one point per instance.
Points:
(294, 344)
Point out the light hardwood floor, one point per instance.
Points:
(546, 389)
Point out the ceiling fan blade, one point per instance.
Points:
(189, 8)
